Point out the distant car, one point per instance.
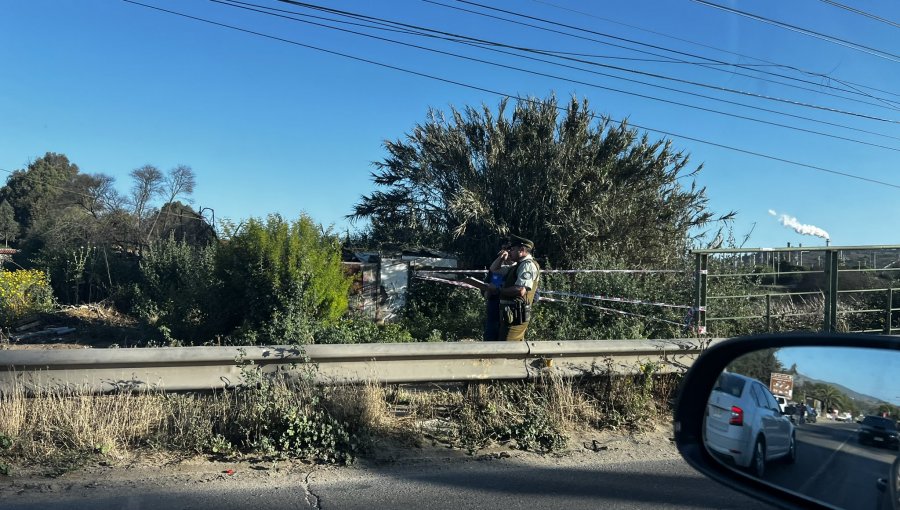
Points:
(745, 424)
(878, 431)
(844, 417)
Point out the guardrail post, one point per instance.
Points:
(831, 290)
(700, 288)
(889, 312)
(769, 313)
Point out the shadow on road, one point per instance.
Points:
(628, 485)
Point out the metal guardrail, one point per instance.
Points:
(206, 368)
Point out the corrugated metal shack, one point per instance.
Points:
(381, 279)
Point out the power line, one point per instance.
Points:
(765, 63)
(644, 96)
(862, 13)
(566, 55)
(669, 78)
(512, 96)
(631, 41)
(811, 33)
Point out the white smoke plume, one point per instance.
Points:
(800, 228)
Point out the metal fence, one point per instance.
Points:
(769, 277)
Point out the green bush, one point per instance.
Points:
(454, 312)
(272, 415)
(22, 293)
(281, 279)
(179, 292)
(357, 330)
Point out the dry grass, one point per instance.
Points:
(537, 415)
(65, 420)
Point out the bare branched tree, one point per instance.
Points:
(179, 182)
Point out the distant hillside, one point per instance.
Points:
(861, 399)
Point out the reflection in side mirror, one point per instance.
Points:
(810, 445)
(890, 492)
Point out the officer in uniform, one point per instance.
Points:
(518, 290)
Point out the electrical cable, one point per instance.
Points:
(512, 96)
(885, 103)
(765, 63)
(594, 85)
(811, 33)
(663, 87)
(891, 105)
(862, 13)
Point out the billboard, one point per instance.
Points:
(782, 384)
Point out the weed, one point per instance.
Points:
(278, 415)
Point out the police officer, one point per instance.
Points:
(496, 274)
(518, 290)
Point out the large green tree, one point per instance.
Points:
(758, 364)
(577, 184)
(38, 190)
(9, 228)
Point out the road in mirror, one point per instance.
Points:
(819, 421)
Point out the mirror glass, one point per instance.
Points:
(819, 421)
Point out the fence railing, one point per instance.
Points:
(767, 264)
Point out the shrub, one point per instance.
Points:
(453, 312)
(179, 291)
(22, 293)
(356, 330)
(280, 278)
(273, 415)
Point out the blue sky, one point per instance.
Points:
(274, 127)
(868, 371)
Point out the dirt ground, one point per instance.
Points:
(93, 325)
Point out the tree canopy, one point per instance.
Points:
(758, 364)
(9, 227)
(576, 183)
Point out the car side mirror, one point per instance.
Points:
(717, 433)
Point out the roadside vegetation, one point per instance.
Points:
(274, 418)
(590, 193)
(599, 195)
(144, 268)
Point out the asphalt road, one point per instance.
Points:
(500, 484)
(634, 485)
(832, 467)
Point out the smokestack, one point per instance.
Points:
(827, 242)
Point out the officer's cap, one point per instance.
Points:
(520, 241)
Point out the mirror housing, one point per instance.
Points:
(699, 381)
